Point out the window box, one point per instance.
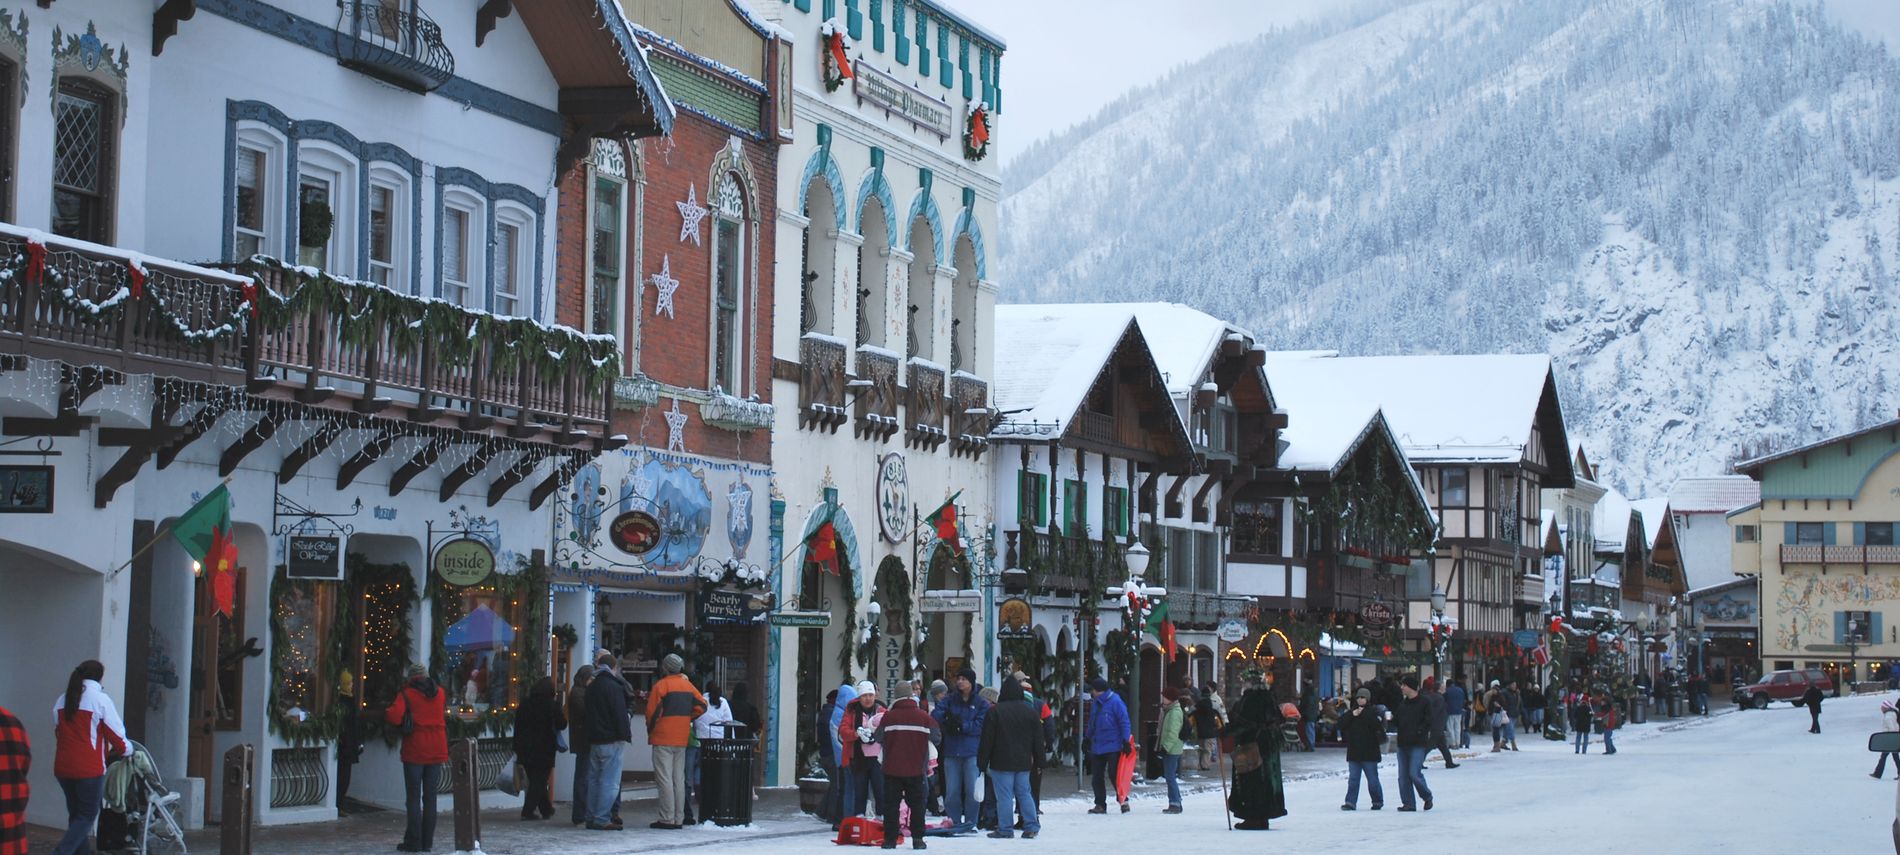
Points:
(735, 414)
(636, 393)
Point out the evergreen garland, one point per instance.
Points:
(382, 676)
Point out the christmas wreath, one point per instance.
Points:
(976, 132)
(835, 58)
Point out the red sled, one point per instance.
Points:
(863, 831)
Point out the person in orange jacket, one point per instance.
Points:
(421, 711)
(671, 707)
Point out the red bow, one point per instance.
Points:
(979, 128)
(836, 44)
(249, 290)
(135, 275)
(35, 261)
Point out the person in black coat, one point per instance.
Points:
(1008, 750)
(1812, 700)
(537, 730)
(1364, 731)
(1207, 725)
(1415, 740)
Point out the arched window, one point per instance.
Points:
(920, 305)
(728, 291)
(819, 269)
(963, 323)
(872, 275)
(607, 173)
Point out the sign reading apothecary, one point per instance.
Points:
(464, 561)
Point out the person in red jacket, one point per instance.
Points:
(906, 733)
(87, 733)
(421, 711)
(16, 758)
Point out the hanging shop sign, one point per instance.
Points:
(893, 498)
(802, 620)
(26, 489)
(951, 601)
(1376, 614)
(635, 532)
(307, 557)
(1014, 619)
(464, 561)
(1232, 631)
(908, 102)
(1525, 638)
(720, 607)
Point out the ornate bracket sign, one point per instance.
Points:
(802, 620)
(464, 561)
(313, 557)
(950, 602)
(634, 532)
(1232, 631)
(1014, 619)
(893, 498)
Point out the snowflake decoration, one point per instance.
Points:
(666, 284)
(675, 428)
(690, 215)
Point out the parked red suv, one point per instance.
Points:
(1782, 686)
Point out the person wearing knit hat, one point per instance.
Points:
(960, 718)
(1364, 731)
(859, 765)
(672, 705)
(1109, 736)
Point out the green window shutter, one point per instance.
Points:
(923, 42)
(996, 83)
(802, 5)
(1827, 534)
(898, 30)
(944, 69)
(877, 25)
(1840, 627)
(1787, 533)
(1874, 632)
(831, 9)
(853, 19)
(983, 60)
(1043, 500)
(963, 65)
(1022, 498)
(1860, 534)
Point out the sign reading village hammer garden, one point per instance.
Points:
(895, 96)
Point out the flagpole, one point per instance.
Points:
(156, 537)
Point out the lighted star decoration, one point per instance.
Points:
(675, 428)
(690, 215)
(666, 284)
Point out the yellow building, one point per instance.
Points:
(1822, 541)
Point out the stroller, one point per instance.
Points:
(137, 817)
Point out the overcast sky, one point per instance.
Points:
(1069, 58)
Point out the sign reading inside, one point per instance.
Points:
(634, 532)
(895, 96)
(720, 607)
(803, 620)
(309, 557)
(464, 562)
(959, 601)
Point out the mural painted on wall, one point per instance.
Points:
(739, 518)
(680, 499)
(1807, 602)
(586, 486)
(1728, 609)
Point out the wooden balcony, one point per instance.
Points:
(969, 415)
(1528, 591)
(876, 404)
(1839, 556)
(1058, 563)
(1332, 585)
(923, 411)
(821, 380)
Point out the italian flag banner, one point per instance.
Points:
(944, 520)
(205, 533)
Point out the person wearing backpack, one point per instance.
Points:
(1364, 729)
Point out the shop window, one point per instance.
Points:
(303, 683)
(1256, 527)
(84, 160)
(485, 656)
(379, 615)
(640, 647)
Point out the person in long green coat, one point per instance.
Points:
(1259, 792)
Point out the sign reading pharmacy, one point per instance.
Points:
(895, 96)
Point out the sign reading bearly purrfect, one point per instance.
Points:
(466, 561)
(634, 532)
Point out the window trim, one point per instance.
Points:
(510, 215)
(384, 175)
(110, 101)
(474, 245)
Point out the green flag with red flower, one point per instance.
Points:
(821, 547)
(205, 533)
(944, 520)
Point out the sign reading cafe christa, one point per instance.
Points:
(907, 101)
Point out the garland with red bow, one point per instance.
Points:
(31, 266)
(976, 132)
(835, 58)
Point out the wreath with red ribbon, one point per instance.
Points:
(835, 58)
(976, 132)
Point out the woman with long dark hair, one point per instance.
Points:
(538, 725)
(89, 733)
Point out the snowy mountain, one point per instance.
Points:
(1693, 204)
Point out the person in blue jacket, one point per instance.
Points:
(1108, 739)
(960, 718)
(834, 795)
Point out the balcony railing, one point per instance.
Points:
(923, 411)
(1201, 610)
(309, 336)
(1096, 427)
(1529, 591)
(1059, 563)
(877, 403)
(1814, 553)
(393, 41)
(969, 414)
(820, 382)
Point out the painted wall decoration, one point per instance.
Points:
(684, 506)
(585, 494)
(893, 498)
(1807, 602)
(1729, 608)
(739, 518)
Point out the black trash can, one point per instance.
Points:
(725, 777)
(1639, 711)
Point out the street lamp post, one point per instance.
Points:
(1137, 600)
(1441, 634)
(1853, 652)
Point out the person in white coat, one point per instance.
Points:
(1890, 722)
(707, 726)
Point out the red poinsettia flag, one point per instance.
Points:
(944, 520)
(823, 548)
(205, 533)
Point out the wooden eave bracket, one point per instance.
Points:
(252, 440)
(456, 477)
(426, 457)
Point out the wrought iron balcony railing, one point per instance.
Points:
(1814, 553)
(393, 41)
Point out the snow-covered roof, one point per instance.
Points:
(1753, 467)
(1741, 582)
(1655, 511)
(1183, 340)
(1334, 647)
(1429, 399)
(1323, 426)
(1612, 516)
(1049, 358)
(1717, 494)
